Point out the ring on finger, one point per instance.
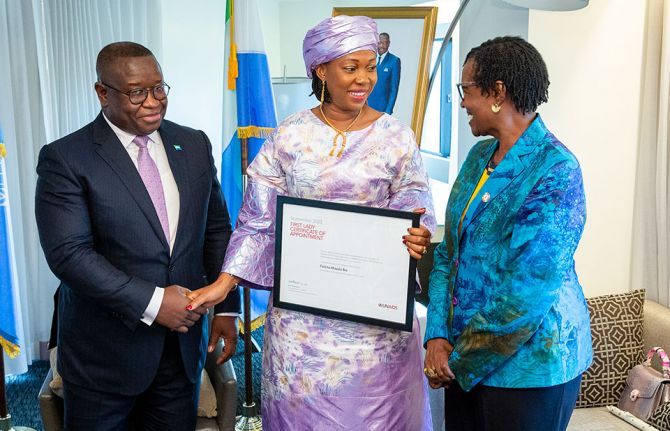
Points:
(430, 373)
(425, 250)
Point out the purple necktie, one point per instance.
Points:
(152, 181)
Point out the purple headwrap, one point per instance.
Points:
(334, 37)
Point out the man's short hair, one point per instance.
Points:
(385, 34)
(110, 53)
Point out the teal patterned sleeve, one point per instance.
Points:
(438, 307)
(547, 230)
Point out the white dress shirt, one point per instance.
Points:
(170, 191)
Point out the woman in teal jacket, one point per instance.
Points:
(508, 329)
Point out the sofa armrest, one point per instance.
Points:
(656, 326)
(51, 406)
(225, 386)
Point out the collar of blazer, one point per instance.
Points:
(387, 58)
(110, 149)
(513, 164)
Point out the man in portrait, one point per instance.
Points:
(384, 94)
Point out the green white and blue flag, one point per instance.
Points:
(249, 112)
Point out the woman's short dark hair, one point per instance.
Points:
(518, 65)
(316, 89)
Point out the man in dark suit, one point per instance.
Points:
(385, 93)
(131, 216)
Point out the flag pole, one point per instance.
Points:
(12, 350)
(250, 420)
(4, 414)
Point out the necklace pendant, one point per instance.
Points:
(338, 134)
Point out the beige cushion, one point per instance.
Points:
(656, 326)
(617, 330)
(207, 399)
(56, 384)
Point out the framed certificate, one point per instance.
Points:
(344, 261)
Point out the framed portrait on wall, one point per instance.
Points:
(406, 38)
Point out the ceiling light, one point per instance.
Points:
(556, 5)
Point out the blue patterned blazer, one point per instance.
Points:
(505, 293)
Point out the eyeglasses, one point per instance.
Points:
(137, 96)
(461, 85)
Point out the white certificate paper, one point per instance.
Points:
(344, 261)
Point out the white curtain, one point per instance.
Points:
(47, 73)
(71, 34)
(21, 120)
(651, 229)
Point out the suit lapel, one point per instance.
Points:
(385, 60)
(110, 149)
(176, 155)
(512, 165)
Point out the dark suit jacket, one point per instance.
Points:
(385, 93)
(102, 238)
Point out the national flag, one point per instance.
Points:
(9, 336)
(249, 112)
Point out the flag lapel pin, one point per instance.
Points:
(177, 147)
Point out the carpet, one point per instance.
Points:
(22, 390)
(22, 393)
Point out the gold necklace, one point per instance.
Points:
(339, 133)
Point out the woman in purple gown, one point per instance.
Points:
(322, 373)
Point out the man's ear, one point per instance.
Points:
(102, 93)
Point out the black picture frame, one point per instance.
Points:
(383, 212)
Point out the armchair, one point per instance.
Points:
(222, 377)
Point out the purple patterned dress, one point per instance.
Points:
(321, 373)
